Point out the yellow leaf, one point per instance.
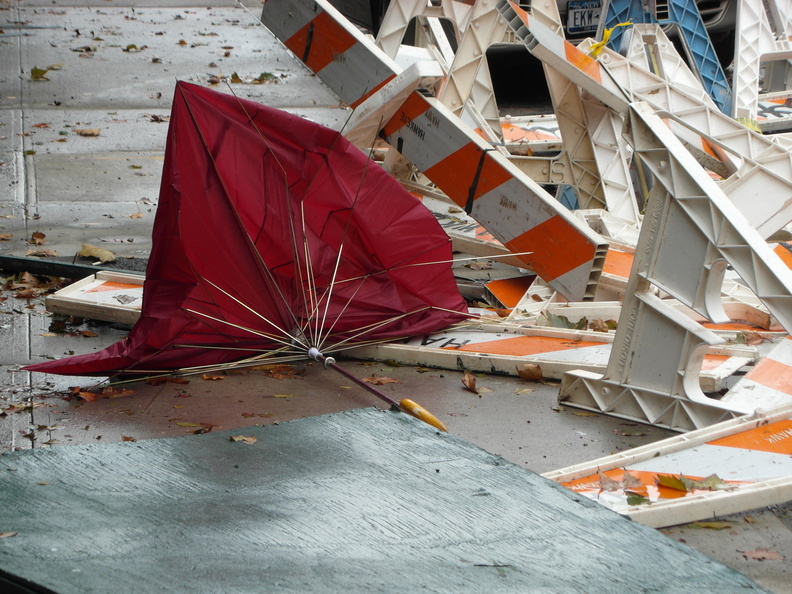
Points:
(88, 131)
(672, 482)
(248, 439)
(101, 254)
(283, 396)
(712, 525)
(212, 378)
(187, 424)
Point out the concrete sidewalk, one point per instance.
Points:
(80, 161)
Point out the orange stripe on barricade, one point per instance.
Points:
(582, 62)
(523, 346)
(618, 263)
(772, 374)
(775, 437)
(783, 252)
(368, 94)
(557, 248)
(468, 169)
(414, 106)
(510, 291)
(334, 38)
(114, 286)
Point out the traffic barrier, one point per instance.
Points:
(516, 210)
(750, 456)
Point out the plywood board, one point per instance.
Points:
(361, 501)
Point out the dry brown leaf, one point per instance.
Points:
(127, 438)
(524, 391)
(84, 394)
(598, 326)
(248, 439)
(530, 372)
(88, 334)
(377, 380)
(26, 294)
(8, 534)
(284, 396)
(762, 555)
(631, 481)
(37, 238)
(42, 253)
(6, 236)
(157, 381)
(87, 131)
(607, 483)
(101, 254)
(469, 381)
(113, 392)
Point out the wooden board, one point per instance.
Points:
(361, 501)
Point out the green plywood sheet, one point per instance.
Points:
(360, 501)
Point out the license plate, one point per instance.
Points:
(583, 16)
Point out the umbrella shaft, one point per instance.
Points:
(330, 362)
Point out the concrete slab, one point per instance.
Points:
(125, 58)
(362, 501)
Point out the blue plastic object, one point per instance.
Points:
(685, 16)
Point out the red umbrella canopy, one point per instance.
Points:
(273, 235)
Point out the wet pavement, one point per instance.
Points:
(81, 152)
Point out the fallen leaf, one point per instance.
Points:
(88, 334)
(469, 381)
(672, 482)
(42, 253)
(629, 432)
(6, 236)
(631, 481)
(157, 381)
(637, 500)
(212, 378)
(127, 438)
(598, 326)
(187, 424)
(8, 534)
(101, 254)
(377, 380)
(762, 555)
(283, 396)
(84, 394)
(711, 525)
(529, 372)
(248, 439)
(114, 392)
(524, 391)
(88, 131)
(137, 215)
(607, 483)
(563, 322)
(37, 238)
(583, 413)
